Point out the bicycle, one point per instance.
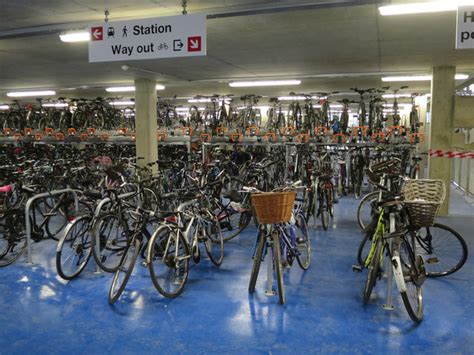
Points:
(409, 272)
(173, 244)
(280, 233)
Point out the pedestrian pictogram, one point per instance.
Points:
(124, 31)
(177, 45)
(194, 44)
(97, 33)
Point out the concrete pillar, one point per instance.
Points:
(423, 146)
(442, 117)
(145, 120)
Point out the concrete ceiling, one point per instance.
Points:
(328, 48)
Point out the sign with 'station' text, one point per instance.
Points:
(465, 27)
(162, 37)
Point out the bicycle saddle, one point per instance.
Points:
(6, 188)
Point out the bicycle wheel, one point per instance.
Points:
(278, 267)
(330, 201)
(214, 242)
(323, 210)
(366, 209)
(4, 244)
(311, 210)
(231, 221)
(373, 268)
(257, 261)
(443, 249)
(11, 248)
(109, 241)
(407, 273)
(66, 212)
(74, 248)
(124, 271)
(303, 243)
(364, 249)
(168, 261)
(149, 200)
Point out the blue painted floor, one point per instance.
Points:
(39, 313)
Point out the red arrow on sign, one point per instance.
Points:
(194, 44)
(97, 33)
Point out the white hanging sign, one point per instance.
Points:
(465, 27)
(162, 37)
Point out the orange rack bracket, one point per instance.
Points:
(205, 137)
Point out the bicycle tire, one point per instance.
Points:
(363, 252)
(366, 201)
(68, 213)
(323, 211)
(124, 271)
(411, 293)
(13, 250)
(214, 243)
(85, 244)
(304, 244)
(278, 267)
(160, 243)
(4, 244)
(232, 223)
(373, 272)
(257, 261)
(426, 249)
(149, 200)
(107, 251)
(330, 201)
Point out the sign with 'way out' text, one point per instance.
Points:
(465, 27)
(162, 37)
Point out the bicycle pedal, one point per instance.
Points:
(144, 263)
(432, 260)
(356, 268)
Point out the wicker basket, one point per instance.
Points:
(273, 207)
(423, 199)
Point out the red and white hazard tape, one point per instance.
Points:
(448, 154)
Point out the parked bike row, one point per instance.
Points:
(307, 113)
(102, 204)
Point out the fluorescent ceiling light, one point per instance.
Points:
(407, 78)
(419, 77)
(129, 88)
(182, 109)
(201, 100)
(392, 96)
(4, 107)
(122, 103)
(55, 104)
(79, 36)
(461, 76)
(120, 89)
(335, 106)
(31, 93)
(423, 7)
(292, 98)
(241, 84)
